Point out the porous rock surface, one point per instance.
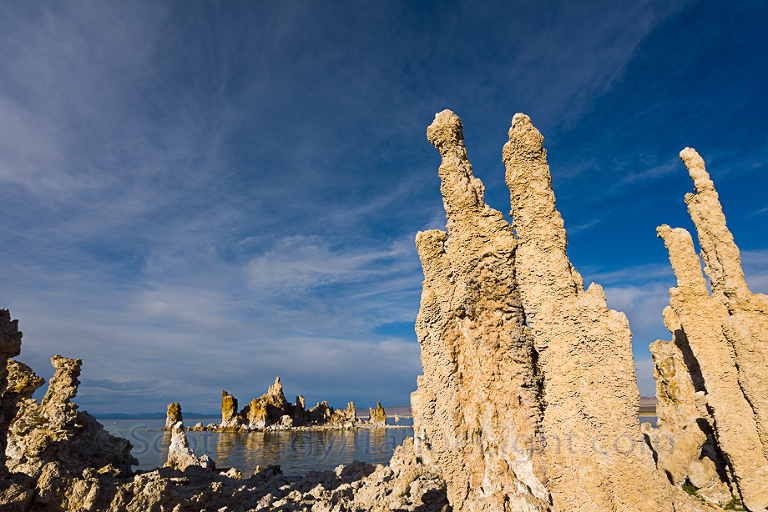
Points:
(684, 443)
(376, 416)
(726, 333)
(584, 354)
(10, 346)
(173, 416)
(476, 409)
(272, 410)
(54, 431)
(180, 455)
(528, 399)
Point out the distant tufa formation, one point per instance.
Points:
(529, 400)
(272, 411)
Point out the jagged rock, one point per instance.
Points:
(173, 416)
(377, 416)
(684, 443)
(476, 408)
(229, 417)
(268, 409)
(583, 351)
(727, 333)
(10, 346)
(299, 411)
(180, 455)
(54, 431)
(529, 392)
(22, 379)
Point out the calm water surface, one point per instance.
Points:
(295, 451)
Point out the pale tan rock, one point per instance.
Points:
(594, 451)
(180, 455)
(727, 332)
(229, 417)
(377, 416)
(173, 416)
(684, 444)
(54, 431)
(476, 408)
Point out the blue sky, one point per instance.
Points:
(200, 196)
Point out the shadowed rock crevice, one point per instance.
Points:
(727, 333)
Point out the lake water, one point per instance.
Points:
(295, 451)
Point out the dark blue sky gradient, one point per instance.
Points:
(200, 196)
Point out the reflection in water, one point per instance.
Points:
(295, 451)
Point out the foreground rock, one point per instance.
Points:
(724, 334)
(10, 346)
(54, 433)
(584, 352)
(476, 410)
(528, 399)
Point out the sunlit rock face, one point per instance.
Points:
(528, 399)
(10, 346)
(173, 416)
(584, 349)
(377, 416)
(54, 432)
(229, 417)
(726, 332)
(476, 411)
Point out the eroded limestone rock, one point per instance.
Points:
(727, 332)
(377, 416)
(10, 346)
(529, 393)
(477, 407)
(229, 417)
(54, 431)
(180, 455)
(584, 351)
(173, 416)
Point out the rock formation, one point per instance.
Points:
(229, 417)
(10, 346)
(726, 334)
(54, 432)
(528, 399)
(684, 444)
(377, 416)
(180, 455)
(173, 416)
(584, 353)
(476, 410)
(273, 410)
(268, 409)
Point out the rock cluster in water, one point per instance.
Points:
(272, 411)
(528, 400)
